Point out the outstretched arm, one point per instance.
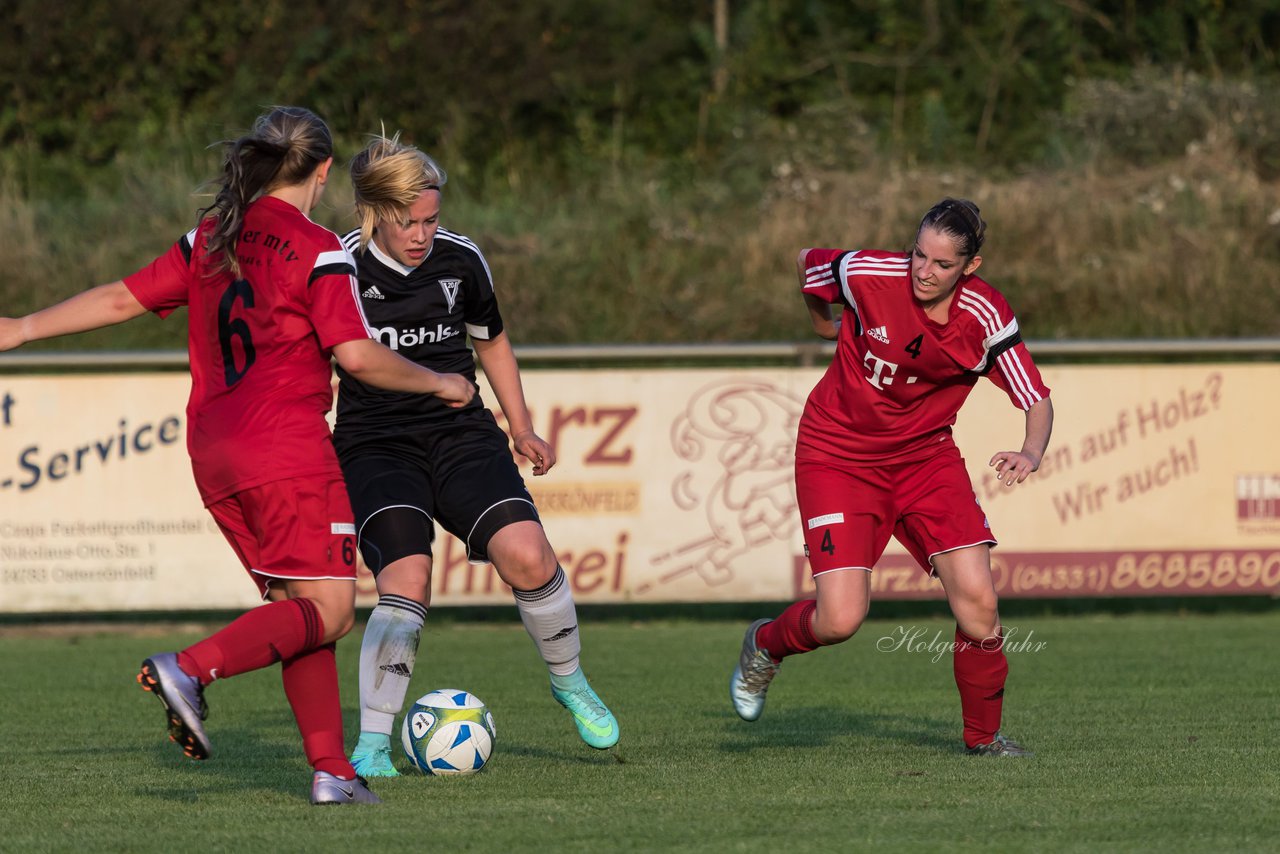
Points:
(372, 363)
(95, 308)
(1014, 466)
(498, 361)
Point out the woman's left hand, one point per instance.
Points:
(1013, 466)
(538, 452)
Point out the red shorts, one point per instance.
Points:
(300, 528)
(847, 514)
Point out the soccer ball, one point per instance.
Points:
(448, 732)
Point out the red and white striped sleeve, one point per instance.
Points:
(821, 278)
(334, 293)
(1004, 356)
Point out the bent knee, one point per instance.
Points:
(983, 609)
(409, 577)
(337, 617)
(988, 602)
(526, 568)
(838, 629)
(338, 625)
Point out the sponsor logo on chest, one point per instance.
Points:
(412, 337)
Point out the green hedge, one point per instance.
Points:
(490, 83)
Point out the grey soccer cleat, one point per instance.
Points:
(999, 746)
(328, 790)
(183, 700)
(751, 678)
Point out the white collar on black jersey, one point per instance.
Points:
(392, 263)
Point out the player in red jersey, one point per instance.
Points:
(270, 295)
(875, 457)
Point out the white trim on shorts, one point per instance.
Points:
(271, 577)
(933, 571)
(865, 569)
(369, 518)
(476, 523)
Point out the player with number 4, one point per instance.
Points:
(875, 457)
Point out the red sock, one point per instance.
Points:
(311, 684)
(791, 632)
(269, 633)
(980, 676)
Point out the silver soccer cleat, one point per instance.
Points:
(751, 678)
(183, 700)
(999, 746)
(326, 790)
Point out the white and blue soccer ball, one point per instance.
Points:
(448, 732)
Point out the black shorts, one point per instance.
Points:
(459, 473)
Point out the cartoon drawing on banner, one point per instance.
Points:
(750, 429)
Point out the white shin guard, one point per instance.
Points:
(387, 656)
(551, 619)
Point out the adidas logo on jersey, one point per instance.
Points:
(880, 333)
(373, 293)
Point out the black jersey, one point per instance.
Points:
(425, 314)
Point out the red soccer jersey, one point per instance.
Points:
(898, 378)
(259, 345)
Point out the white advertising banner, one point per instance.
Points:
(676, 486)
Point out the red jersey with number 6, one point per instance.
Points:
(259, 345)
(898, 378)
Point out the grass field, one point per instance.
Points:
(1153, 733)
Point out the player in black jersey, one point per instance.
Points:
(410, 463)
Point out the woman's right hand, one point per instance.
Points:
(455, 389)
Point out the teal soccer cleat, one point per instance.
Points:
(372, 756)
(595, 723)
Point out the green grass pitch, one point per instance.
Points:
(1153, 732)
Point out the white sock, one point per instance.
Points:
(551, 620)
(387, 655)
